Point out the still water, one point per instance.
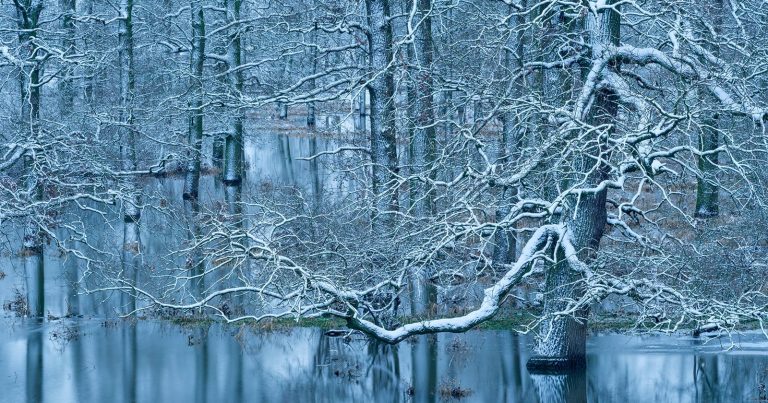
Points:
(147, 361)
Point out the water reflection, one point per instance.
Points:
(34, 375)
(50, 282)
(149, 362)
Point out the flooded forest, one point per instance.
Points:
(383, 200)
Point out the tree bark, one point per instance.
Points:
(28, 14)
(132, 203)
(195, 143)
(424, 134)
(505, 241)
(233, 144)
(311, 118)
(561, 343)
(382, 89)
(707, 190)
(66, 89)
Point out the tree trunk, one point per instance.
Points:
(311, 119)
(423, 149)
(424, 134)
(28, 14)
(71, 269)
(89, 71)
(382, 89)
(707, 190)
(561, 344)
(195, 143)
(233, 144)
(66, 89)
(505, 241)
(570, 388)
(361, 115)
(131, 206)
(314, 170)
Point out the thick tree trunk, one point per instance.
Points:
(561, 343)
(382, 89)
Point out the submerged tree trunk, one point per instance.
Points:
(382, 90)
(195, 143)
(71, 269)
(195, 260)
(561, 343)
